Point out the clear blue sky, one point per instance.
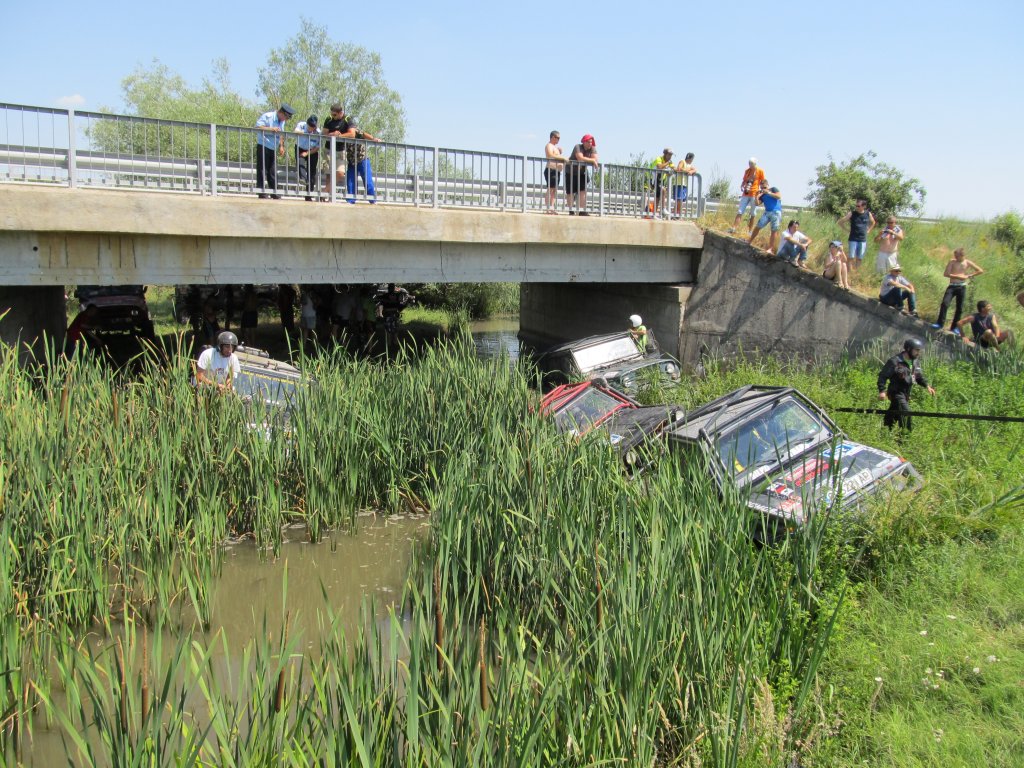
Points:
(932, 87)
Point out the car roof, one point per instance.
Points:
(561, 396)
(588, 341)
(258, 361)
(723, 412)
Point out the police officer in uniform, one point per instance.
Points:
(895, 381)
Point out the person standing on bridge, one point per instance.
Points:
(307, 154)
(662, 167)
(583, 156)
(684, 171)
(896, 380)
(358, 161)
(269, 145)
(553, 170)
(335, 126)
(750, 189)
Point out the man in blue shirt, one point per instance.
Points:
(307, 154)
(268, 145)
(771, 199)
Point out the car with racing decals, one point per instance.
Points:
(785, 455)
(593, 407)
(614, 357)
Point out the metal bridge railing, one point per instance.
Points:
(98, 150)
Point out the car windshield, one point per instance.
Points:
(270, 389)
(592, 406)
(605, 353)
(768, 438)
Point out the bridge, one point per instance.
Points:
(91, 198)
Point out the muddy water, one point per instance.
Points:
(369, 565)
(255, 591)
(497, 336)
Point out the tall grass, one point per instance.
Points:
(560, 613)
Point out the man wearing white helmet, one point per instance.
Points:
(219, 366)
(638, 331)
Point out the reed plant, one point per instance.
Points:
(560, 613)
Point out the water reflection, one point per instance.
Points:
(254, 594)
(370, 564)
(496, 336)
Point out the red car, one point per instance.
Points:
(578, 409)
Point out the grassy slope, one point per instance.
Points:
(937, 556)
(923, 255)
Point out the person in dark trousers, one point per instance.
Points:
(307, 156)
(286, 306)
(268, 146)
(895, 381)
(959, 270)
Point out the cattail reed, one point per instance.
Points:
(122, 688)
(144, 710)
(485, 699)
(438, 618)
(279, 691)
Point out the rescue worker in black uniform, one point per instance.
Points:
(895, 381)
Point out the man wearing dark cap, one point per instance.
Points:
(268, 146)
(307, 154)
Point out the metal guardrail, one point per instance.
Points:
(41, 145)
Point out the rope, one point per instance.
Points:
(935, 415)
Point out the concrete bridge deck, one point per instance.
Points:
(59, 236)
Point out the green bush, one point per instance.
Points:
(479, 299)
(887, 190)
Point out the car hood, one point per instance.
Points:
(842, 473)
(628, 428)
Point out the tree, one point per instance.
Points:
(158, 92)
(311, 72)
(885, 187)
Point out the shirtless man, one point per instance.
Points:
(959, 270)
(888, 240)
(553, 169)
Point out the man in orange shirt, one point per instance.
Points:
(750, 190)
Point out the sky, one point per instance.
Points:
(933, 88)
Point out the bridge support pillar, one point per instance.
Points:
(30, 314)
(551, 313)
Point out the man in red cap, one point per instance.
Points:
(583, 155)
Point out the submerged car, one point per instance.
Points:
(121, 309)
(614, 357)
(271, 382)
(579, 409)
(785, 455)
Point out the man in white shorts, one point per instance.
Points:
(751, 186)
(888, 240)
(218, 367)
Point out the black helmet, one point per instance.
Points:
(913, 343)
(227, 337)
